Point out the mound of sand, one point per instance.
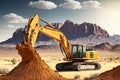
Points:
(31, 67)
(113, 74)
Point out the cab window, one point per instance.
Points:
(74, 51)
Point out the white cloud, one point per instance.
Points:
(14, 18)
(71, 4)
(11, 22)
(91, 4)
(42, 4)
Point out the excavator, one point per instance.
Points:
(76, 57)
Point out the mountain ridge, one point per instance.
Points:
(82, 30)
(87, 33)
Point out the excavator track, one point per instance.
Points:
(77, 66)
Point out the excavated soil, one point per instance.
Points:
(113, 74)
(31, 67)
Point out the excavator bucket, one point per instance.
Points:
(33, 29)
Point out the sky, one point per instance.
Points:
(14, 14)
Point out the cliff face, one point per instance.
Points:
(73, 31)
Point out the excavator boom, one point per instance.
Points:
(34, 28)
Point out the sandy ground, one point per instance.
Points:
(106, 60)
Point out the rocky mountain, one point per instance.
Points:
(108, 46)
(104, 46)
(73, 31)
(115, 39)
(85, 33)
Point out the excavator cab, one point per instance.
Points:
(81, 53)
(78, 51)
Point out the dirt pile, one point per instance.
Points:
(31, 67)
(113, 74)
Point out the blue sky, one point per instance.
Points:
(15, 13)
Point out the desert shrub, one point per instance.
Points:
(111, 59)
(59, 60)
(7, 60)
(77, 77)
(4, 70)
(87, 78)
(14, 61)
(117, 58)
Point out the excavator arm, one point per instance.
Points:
(33, 28)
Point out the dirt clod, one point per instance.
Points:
(32, 67)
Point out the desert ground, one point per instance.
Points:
(9, 58)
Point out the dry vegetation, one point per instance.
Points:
(110, 59)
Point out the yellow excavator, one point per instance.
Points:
(76, 58)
